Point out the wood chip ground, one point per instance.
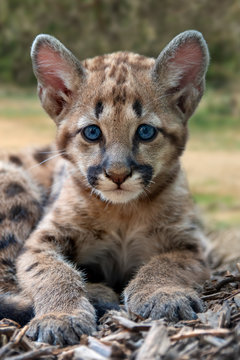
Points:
(214, 335)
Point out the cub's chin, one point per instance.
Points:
(118, 196)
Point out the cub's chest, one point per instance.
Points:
(112, 255)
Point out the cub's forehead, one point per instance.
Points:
(111, 62)
(119, 77)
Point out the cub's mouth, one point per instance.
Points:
(118, 183)
(118, 195)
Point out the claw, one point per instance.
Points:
(174, 306)
(60, 329)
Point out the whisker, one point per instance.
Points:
(50, 152)
(42, 162)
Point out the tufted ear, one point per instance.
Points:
(58, 72)
(180, 70)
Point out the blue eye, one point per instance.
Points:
(146, 132)
(92, 133)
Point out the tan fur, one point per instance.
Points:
(120, 211)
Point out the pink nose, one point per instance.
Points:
(118, 177)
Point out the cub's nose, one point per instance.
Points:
(118, 176)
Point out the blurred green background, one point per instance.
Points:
(93, 27)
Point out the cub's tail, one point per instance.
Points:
(22, 197)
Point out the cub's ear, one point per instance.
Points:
(58, 72)
(180, 70)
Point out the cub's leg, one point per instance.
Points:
(63, 311)
(166, 287)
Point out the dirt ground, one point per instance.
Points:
(214, 175)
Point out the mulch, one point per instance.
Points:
(214, 335)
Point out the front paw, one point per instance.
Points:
(173, 306)
(61, 328)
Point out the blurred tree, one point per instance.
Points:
(92, 27)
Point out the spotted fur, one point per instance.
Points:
(119, 217)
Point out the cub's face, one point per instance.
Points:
(121, 117)
(118, 135)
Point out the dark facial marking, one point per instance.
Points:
(119, 95)
(15, 159)
(40, 272)
(123, 58)
(121, 79)
(64, 139)
(114, 89)
(103, 78)
(137, 107)
(98, 109)
(120, 98)
(146, 171)
(7, 240)
(172, 138)
(93, 173)
(29, 268)
(122, 75)
(66, 156)
(18, 213)
(36, 251)
(2, 217)
(179, 143)
(112, 71)
(13, 189)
